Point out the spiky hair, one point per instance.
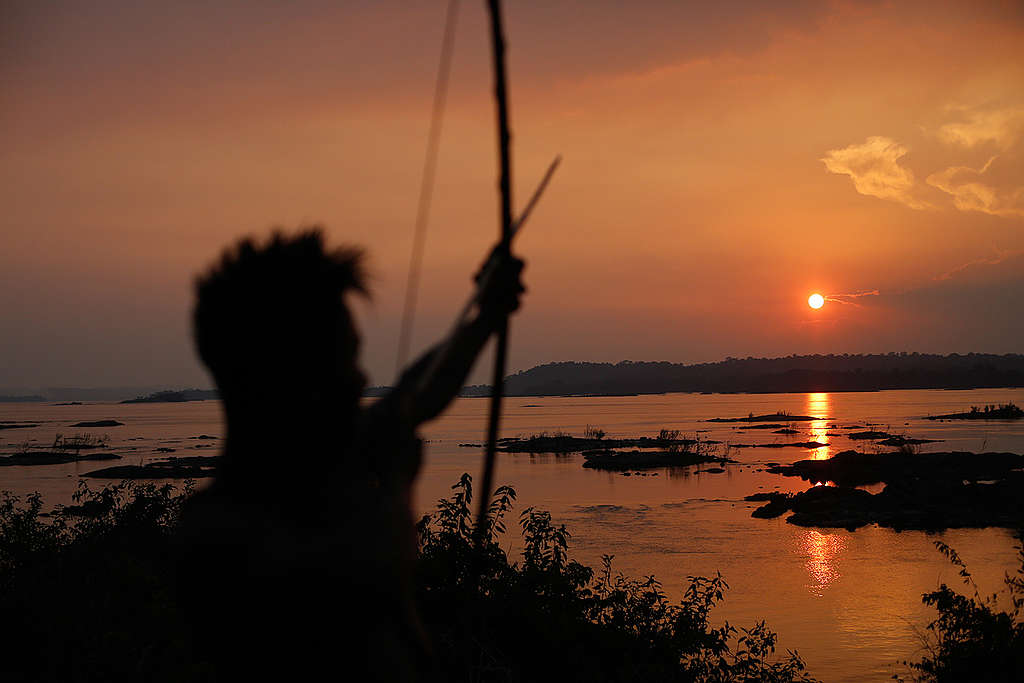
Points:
(272, 306)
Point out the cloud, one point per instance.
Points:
(849, 298)
(980, 190)
(875, 170)
(1001, 127)
(994, 188)
(1000, 256)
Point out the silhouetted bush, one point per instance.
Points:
(87, 594)
(547, 617)
(972, 639)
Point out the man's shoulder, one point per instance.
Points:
(214, 512)
(383, 420)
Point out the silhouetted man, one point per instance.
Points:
(297, 561)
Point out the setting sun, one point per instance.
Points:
(815, 300)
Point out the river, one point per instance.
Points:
(849, 602)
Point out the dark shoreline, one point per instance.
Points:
(784, 375)
(791, 374)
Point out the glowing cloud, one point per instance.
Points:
(875, 170)
(972, 190)
(1001, 127)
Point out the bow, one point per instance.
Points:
(501, 252)
(505, 187)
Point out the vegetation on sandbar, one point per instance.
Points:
(670, 448)
(1009, 411)
(672, 452)
(593, 439)
(62, 450)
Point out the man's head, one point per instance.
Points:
(271, 324)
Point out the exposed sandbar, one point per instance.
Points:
(930, 492)
(774, 417)
(193, 467)
(31, 459)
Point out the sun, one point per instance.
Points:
(815, 300)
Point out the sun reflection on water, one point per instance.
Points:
(819, 404)
(822, 552)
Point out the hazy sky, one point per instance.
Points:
(721, 162)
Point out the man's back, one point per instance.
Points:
(278, 587)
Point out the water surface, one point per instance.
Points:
(849, 602)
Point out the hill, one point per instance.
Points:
(181, 396)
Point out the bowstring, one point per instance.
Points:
(412, 281)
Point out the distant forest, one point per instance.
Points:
(733, 375)
(769, 375)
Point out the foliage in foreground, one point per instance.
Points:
(547, 617)
(87, 594)
(972, 639)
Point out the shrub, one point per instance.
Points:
(667, 435)
(546, 617)
(972, 639)
(90, 587)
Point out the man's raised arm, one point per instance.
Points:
(435, 379)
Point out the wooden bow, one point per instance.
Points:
(501, 253)
(505, 187)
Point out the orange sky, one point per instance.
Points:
(720, 164)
